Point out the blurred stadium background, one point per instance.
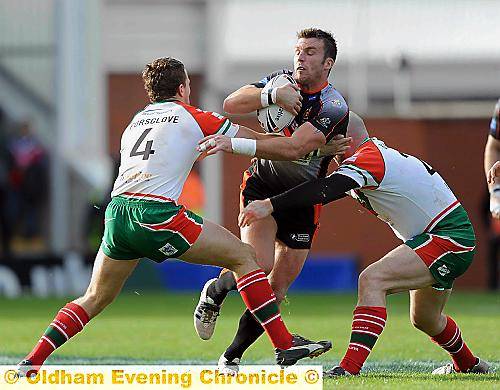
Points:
(425, 75)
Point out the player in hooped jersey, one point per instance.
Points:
(283, 240)
(492, 162)
(439, 244)
(143, 219)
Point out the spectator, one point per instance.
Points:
(29, 177)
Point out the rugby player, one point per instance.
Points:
(492, 163)
(282, 240)
(143, 219)
(439, 244)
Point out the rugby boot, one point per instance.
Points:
(301, 348)
(206, 313)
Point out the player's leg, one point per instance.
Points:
(261, 237)
(222, 248)
(426, 314)
(287, 267)
(294, 236)
(108, 277)
(399, 270)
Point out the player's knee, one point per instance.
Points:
(370, 280)
(244, 256)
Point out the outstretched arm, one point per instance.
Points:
(248, 142)
(319, 191)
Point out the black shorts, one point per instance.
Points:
(296, 227)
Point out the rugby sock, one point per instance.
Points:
(367, 324)
(249, 330)
(68, 322)
(450, 339)
(219, 289)
(259, 298)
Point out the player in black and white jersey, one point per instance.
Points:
(282, 241)
(492, 162)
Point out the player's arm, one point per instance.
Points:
(319, 191)
(250, 98)
(492, 163)
(305, 139)
(491, 158)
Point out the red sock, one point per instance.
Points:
(367, 324)
(260, 300)
(450, 339)
(69, 321)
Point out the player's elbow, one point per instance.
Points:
(232, 105)
(228, 105)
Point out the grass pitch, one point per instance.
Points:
(157, 328)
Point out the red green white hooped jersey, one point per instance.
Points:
(158, 149)
(400, 189)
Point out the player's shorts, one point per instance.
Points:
(296, 226)
(448, 248)
(137, 228)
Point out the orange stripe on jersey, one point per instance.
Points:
(246, 175)
(369, 158)
(209, 122)
(317, 212)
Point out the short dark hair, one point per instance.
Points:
(162, 78)
(329, 42)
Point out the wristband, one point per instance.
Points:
(244, 146)
(264, 98)
(267, 97)
(273, 95)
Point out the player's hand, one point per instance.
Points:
(494, 172)
(215, 143)
(256, 210)
(288, 96)
(337, 146)
(495, 205)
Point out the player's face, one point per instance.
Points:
(308, 61)
(185, 90)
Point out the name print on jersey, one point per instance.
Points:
(152, 121)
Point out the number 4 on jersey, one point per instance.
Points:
(147, 151)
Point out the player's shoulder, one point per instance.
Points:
(331, 98)
(369, 157)
(210, 122)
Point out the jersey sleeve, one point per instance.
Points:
(211, 122)
(366, 167)
(262, 82)
(495, 122)
(332, 118)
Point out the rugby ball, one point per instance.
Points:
(274, 118)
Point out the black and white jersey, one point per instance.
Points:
(327, 111)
